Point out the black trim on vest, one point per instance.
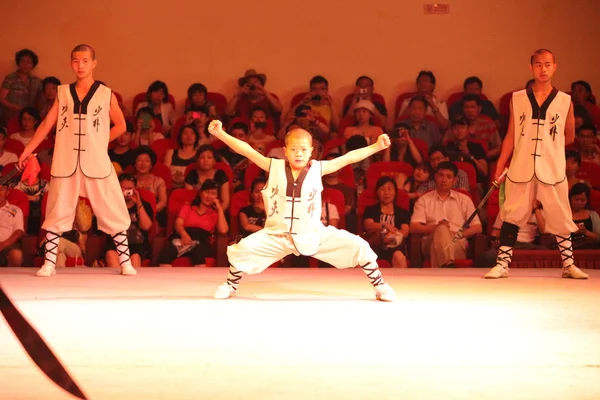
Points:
(539, 112)
(80, 107)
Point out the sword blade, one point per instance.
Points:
(36, 347)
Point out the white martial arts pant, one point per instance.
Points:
(555, 202)
(340, 248)
(105, 195)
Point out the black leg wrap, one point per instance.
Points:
(508, 234)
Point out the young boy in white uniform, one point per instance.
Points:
(293, 206)
(541, 123)
(82, 114)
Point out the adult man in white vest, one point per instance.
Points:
(541, 123)
(82, 114)
(293, 206)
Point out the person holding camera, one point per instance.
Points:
(363, 90)
(403, 146)
(141, 216)
(251, 94)
(259, 136)
(320, 102)
(305, 118)
(146, 131)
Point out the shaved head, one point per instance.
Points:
(84, 47)
(297, 133)
(540, 52)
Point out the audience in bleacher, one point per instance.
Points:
(185, 154)
(157, 99)
(433, 106)
(253, 217)
(205, 169)
(29, 119)
(194, 227)
(320, 102)
(461, 148)
(474, 85)
(364, 112)
(387, 225)
(145, 160)
(122, 153)
(146, 129)
(587, 220)
(573, 162)
(11, 231)
(587, 140)
(21, 88)
(49, 92)
(197, 97)
(404, 147)
(254, 115)
(420, 127)
(437, 155)
(252, 93)
(439, 214)
(364, 89)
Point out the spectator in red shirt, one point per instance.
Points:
(581, 93)
(194, 226)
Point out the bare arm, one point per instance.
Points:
(162, 198)
(355, 156)
(168, 157)
(117, 118)
(508, 145)
(414, 151)
(247, 226)
(222, 225)
(179, 227)
(145, 220)
(225, 195)
(570, 127)
(240, 147)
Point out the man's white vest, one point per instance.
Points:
(539, 149)
(82, 132)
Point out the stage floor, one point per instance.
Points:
(308, 334)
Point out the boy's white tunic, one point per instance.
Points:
(294, 226)
(537, 169)
(80, 164)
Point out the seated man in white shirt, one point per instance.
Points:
(525, 239)
(439, 214)
(11, 231)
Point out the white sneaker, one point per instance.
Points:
(224, 292)
(499, 271)
(574, 273)
(385, 293)
(46, 270)
(127, 269)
